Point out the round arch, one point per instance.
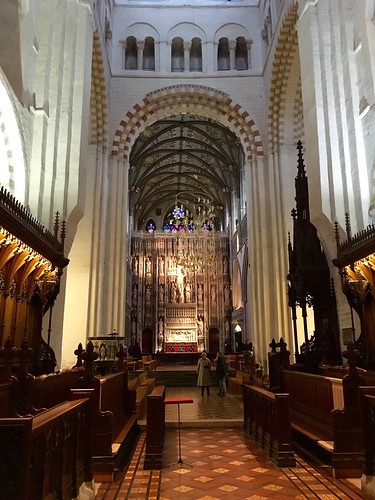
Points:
(195, 99)
(285, 111)
(99, 113)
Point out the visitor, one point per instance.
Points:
(204, 373)
(137, 354)
(221, 373)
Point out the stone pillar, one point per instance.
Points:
(187, 47)
(249, 44)
(140, 47)
(165, 57)
(123, 51)
(232, 54)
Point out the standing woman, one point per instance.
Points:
(204, 373)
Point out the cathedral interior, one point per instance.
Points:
(177, 182)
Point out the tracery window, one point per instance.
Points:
(178, 220)
(150, 226)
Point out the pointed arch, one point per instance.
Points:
(195, 99)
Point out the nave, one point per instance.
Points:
(220, 461)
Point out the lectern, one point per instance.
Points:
(178, 402)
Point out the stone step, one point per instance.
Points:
(178, 378)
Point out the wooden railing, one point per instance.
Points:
(46, 456)
(155, 430)
(267, 419)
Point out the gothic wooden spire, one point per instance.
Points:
(302, 189)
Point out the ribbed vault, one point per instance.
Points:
(184, 158)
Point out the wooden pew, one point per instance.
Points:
(48, 455)
(149, 363)
(155, 430)
(50, 390)
(115, 427)
(267, 420)
(235, 384)
(323, 423)
(367, 408)
(143, 385)
(114, 407)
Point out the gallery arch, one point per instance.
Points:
(183, 172)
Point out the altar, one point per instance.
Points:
(181, 347)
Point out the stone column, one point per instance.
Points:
(140, 48)
(123, 51)
(210, 57)
(249, 44)
(165, 57)
(187, 47)
(232, 54)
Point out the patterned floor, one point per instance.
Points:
(219, 462)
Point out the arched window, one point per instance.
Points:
(196, 55)
(223, 55)
(241, 54)
(131, 53)
(177, 54)
(149, 54)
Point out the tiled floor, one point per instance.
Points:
(219, 461)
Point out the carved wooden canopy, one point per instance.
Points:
(356, 263)
(31, 264)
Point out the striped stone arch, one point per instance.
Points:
(285, 110)
(194, 99)
(98, 98)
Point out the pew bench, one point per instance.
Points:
(149, 363)
(321, 424)
(143, 385)
(115, 428)
(155, 429)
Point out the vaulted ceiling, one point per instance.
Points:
(181, 159)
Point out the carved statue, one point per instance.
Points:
(213, 293)
(161, 266)
(161, 327)
(173, 292)
(200, 293)
(226, 294)
(135, 264)
(148, 293)
(148, 266)
(200, 327)
(225, 265)
(135, 293)
(161, 293)
(187, 292)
